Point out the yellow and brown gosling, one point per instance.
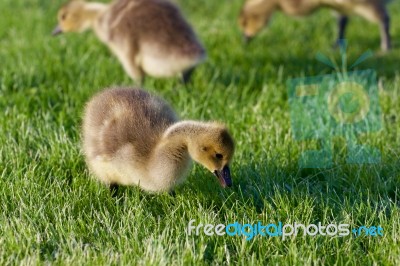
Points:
(148, 36)
(255, 14)
(133, 138)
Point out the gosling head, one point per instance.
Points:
(253, 16)
(72, 18)
(214, 149)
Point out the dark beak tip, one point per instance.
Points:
(57, 30)
(224, 177)
(246, 39)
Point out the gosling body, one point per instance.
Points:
(256, 13)
(147, 36)
(133, 138)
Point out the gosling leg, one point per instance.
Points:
(172, 193)
(114, 189)
(384, 29)
(186, 75)
(342, 24)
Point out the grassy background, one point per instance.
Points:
(53, 212)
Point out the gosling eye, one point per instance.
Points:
(63, 16)
(219, 156)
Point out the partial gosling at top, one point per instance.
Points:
(256, 13)
(147, 36)
(133, 138)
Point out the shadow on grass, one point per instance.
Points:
(264, 68)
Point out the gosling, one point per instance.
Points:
(147, 36)
(256, 13)
(133, 138)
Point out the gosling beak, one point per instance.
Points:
(247, 38)
(224, 176)
(57, 30)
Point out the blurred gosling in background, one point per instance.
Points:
(148, 36)
(133, 138)
(256, 13)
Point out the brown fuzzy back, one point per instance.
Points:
(155, 21)
(120, 116)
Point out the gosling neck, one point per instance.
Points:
(171, 155)
(92, 11)
(171, 160)
(178, 138)
(187, 129)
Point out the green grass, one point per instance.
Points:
(52, 211)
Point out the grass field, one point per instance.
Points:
(52, 211)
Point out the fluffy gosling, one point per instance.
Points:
(256, 13)
(147, 36)
(133, 138)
